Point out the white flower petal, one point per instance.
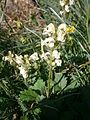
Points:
(58, 62)
(62, 2)
(49, 30)
(61, 32)
(45, 56)
(61, 37)
(67, 8)
(71, 2)
(18, 59)
(34, 57)
(61, 12)
(23, 72)
(56, 54)
(49, 42)
(62, 27)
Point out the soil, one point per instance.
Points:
(24, 11)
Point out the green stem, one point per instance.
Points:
(49, 80)
(50, 76)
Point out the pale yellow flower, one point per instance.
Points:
(67, 8)
(61, 37)
(49, 30)
(62, 27)
(18, 59)
(56, 54)
(61, 32)
(45, 56)
(26, 59)
(34, 57)
(71, 2)
(61, 12)
(49, 42)
(23, 72)
(66, 4)
(62, 2)
(58, 62)
(9, 57)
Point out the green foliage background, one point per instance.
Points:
(70, 100)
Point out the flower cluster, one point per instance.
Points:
(61, 32)
(49, 30)
(23, 63)
(66, 4)
(51, 54)
(54, 38)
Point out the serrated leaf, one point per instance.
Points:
(23, 107)
(37, 111)
(40, 98)
(24, 118)
(39, 85)
(28, 95)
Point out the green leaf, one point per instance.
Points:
(24, 118)
(57, 77)
(40, 98)
(63, 83)
(72, 85)
(36, 111)
(39, 85)
(23, 107)
(28, 95)
(60, 82)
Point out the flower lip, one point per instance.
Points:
(58, 62)
(18, 59)
(62, 2)
(49, 30)
(34, 57)
(23, 72)
(49, 42)
(62, 27)
(61, 32)
(56, 54)
(45, 56)
(67, 8)
(66, 4)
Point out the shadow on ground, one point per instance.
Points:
(70, 106)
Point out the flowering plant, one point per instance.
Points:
(50, 54)
(51, 63)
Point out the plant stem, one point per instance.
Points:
(49, 80)
(50, 76)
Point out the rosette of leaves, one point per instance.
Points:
(29, 98)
